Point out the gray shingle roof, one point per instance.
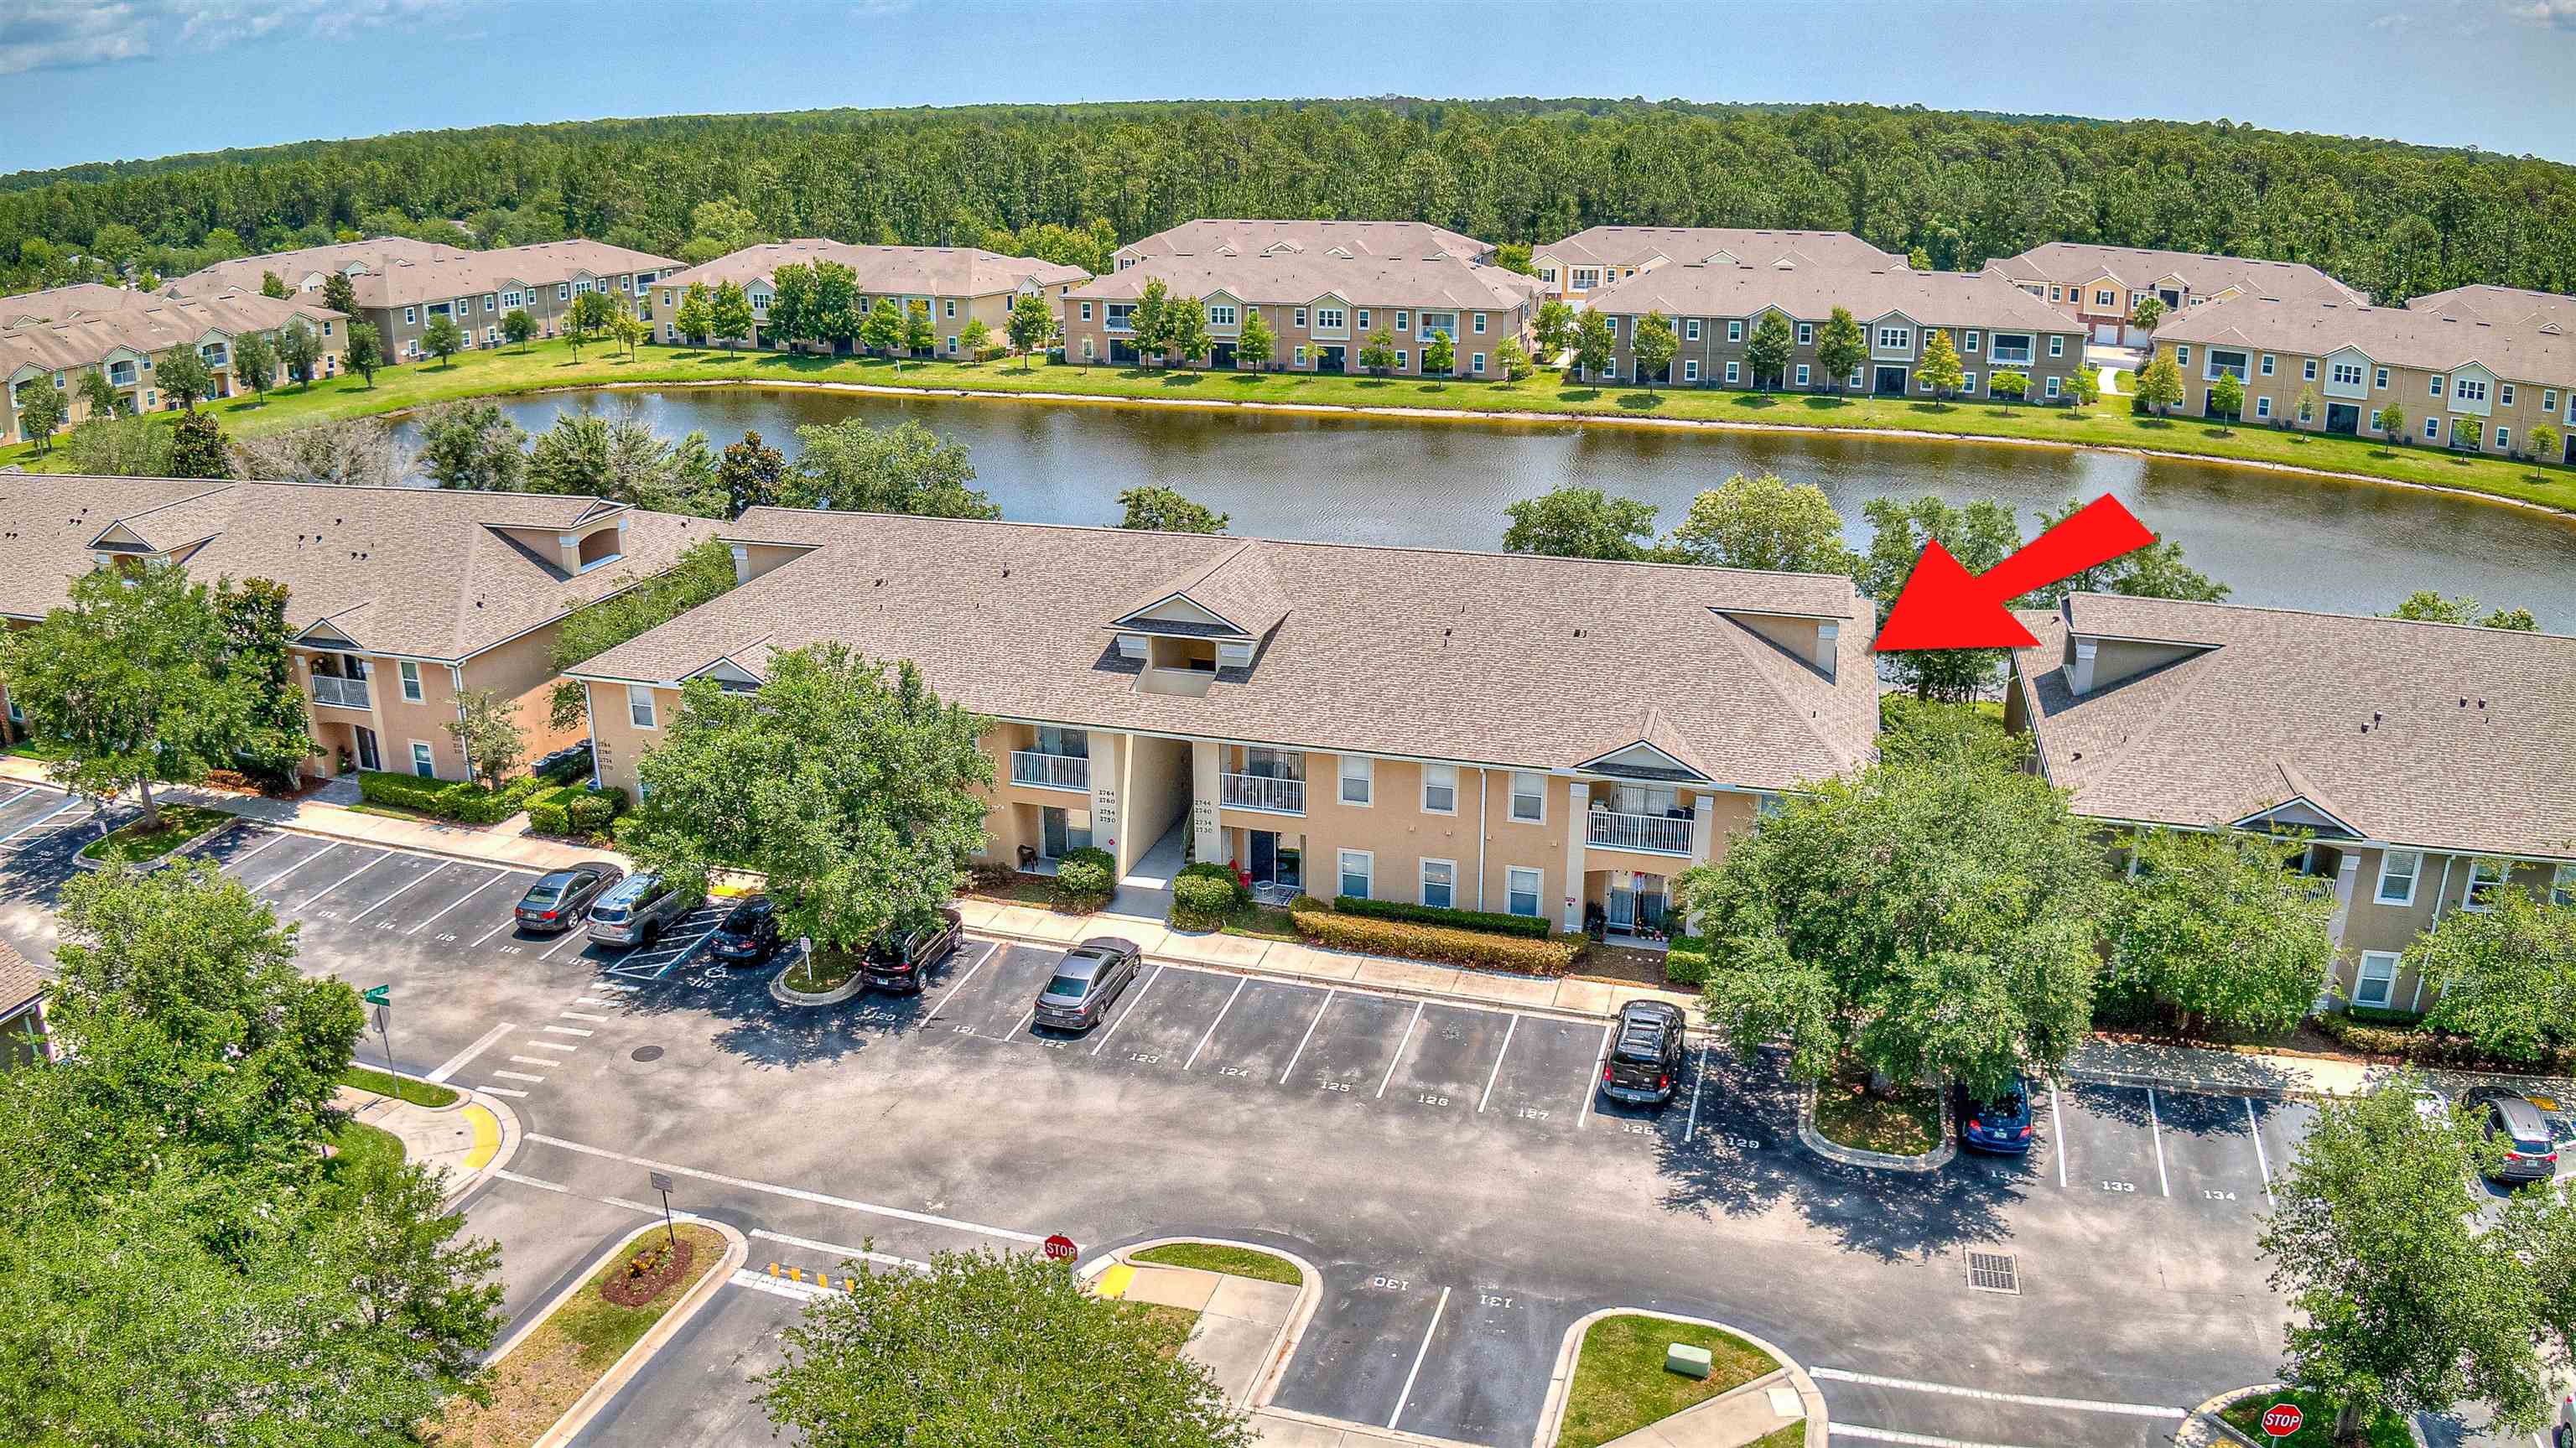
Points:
(406, 281)
(292, 267)
(1810, 293)
(2533, 348)
(946, 271)
(2139, 267)
(20, 981)
(1247, 237)
(142, 322)
(1746, 245)
(1293, 279)
(2436, 736)
(1476, 657)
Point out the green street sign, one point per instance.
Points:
(377, 995)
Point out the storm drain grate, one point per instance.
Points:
(1993, 1272)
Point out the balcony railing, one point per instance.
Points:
(341, 693)
(1261, 792)
(2003, 357)
(1654, 834)
(1050, 771)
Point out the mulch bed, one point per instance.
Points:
(662, 1264)
(1620, 963)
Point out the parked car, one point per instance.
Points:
(638, 909)
(2430, 1104)
(2530, 1149)
(1645, 1061)
(1087, 982)
(748, 934)
(2001, 1126)
(904, 963)
(561, 899)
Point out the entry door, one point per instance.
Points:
(368, 758)
(1621, 904)
(1890, 382)
(1329, 359)
(1265, 856)
(2343, 417)
(1064, 830)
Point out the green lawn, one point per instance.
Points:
(1620, 1384)
(134, 844)
(360, 1143)
(1909, 1124)
(1256, 921)
(401, 1088)
(2316, 1426)
(822, 970)
(1235, 1261)
(1791, 1436)
(545, 365)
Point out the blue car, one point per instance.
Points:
(2001, 1126)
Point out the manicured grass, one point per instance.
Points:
(1620, 1384)
(1181, 1318)
(1236, 1261)
(1792, 1436)
(133, 844)
(2316, 1426)
(821, 970)
(401, 1088)
(1909, 1124)
(360, 1143)
(397, 812)
(549, 364)
(1262, 922)
(1019, 890)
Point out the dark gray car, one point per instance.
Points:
(1086, 982)
(2530, 1152)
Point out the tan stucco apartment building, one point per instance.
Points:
(49, 338)
(1539, 736)
(2427, 763)
(1597, 256)
(400, 599)
(1323, 288)
(958, 284)
(2101, 286)
(1715, 306)
(2476, 369)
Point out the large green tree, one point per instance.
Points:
(730, 314)
(1150, 506)
(703, 572)
(1653, 347)
(2155, 571)
(274, 740)
(883, 331)
(1762, 522)
(299, 351)
(1578, 522)
(1592, 346)
(1841, 348)
(473, 445)
(1032, 322)
(2427, 605)
(2507, 974)
(623, 459)
(486, 728)
(751, 472)
(366, 351)
(443, 339)
(1980, 534)
(851, 466)
(197, 447)
(1768, 349)
(183, 376)
(2217, 926)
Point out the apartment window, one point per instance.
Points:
(1403, 321)
(2432, 429)
(1802, 374)
(2377, 976)
(2562, 881)
(949, 305)
(1476, 364)
(1480, 324)
(1220, 315)
(2182, 356)
(1355, 867)
(1547, 274)
(2485, 878)
(1731, 372)
(1086, 311)
(1403, 359)
(1968, 383)
(1854, 379)
(2056, 294)
(2379, 379)
(1586, 277)
(1690, 329)
(2057, 346)
(2267, 365)
(2469, 389)
(1520, 891)
(1440, 884)
(1301, 354)
(1969, 340)
(2102, 298)
(1614, 326)
(2398, 872)
(2549, 402)
(1894, 339)
(2504, 394)
(410, 681)
(424, 760)
(2504, 438)
(1359, 779)
(1806, 334)
(411, 316)
(491, 300)
(1298, 318)
(1364, 322)
(1529, 797)
(1439, 789)
(2053, 384)
(2347, 374)
(1690, 369)
(2433, 388)
(1735, 331)
(639, 707)
(2262, 407)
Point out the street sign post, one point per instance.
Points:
(662, 1184)
(2282, 1419)
(1060, 1248)
(382, 998)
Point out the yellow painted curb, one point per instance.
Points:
(487, 1137)
(1113, 1283)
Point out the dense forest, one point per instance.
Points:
(1069, 181)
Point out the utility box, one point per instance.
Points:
(1689, 1361)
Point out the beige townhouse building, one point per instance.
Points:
(1714, 309)
(2101, 286)
(49, 339)
(1543, 737)
(305, 269)
(2426, 764)
(1323, 288)
(2466, 372)
(1597, 256)
(401, 600)
(955, 284)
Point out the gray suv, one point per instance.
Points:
(2530, 1150)
(637, 909)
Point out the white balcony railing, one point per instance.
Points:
(2004, 358)
(1261, 792)
(1050, 771)
(340, 693)
(1654, 834)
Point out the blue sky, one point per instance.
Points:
(85, 80)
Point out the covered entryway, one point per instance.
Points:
(369, 758)
(2343, 417)
(1276, 862)
(1221, 355)
(1888, 382)
(1332, 359)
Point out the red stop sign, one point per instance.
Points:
(1060, 1248)
(2281, 1419)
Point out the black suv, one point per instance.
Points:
(904, 963)
(748, 934)
(1645, 1061)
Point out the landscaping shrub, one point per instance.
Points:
(1686, 960)
(462, 801)
(2394, 1033)
(1321, 923)
(1085, 877)
(1495, 921)
(1204, 895)
(575, 809)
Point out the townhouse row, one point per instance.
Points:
(50, 341)
(955, 286)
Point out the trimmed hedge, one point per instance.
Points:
(1487, 920)
(1204, 894)
(1085, 876)
(1344, 930)
(575, 809)
(1686, 960)
(460, 800)
(2389, 1033)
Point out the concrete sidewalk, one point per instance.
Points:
(1732, 1419)
(2271, 1074)
(459, 1143)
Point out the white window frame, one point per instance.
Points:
(2056, 345)
(411, 316)
(1735, 330)
(1432, 773)
(2432, 429)
(1690, 329)
(2266, 365)
(1403, 359)
(2262, 407)
(2414, 872)
(2053, 384)
(2470, 900)
(1537, 892)
(1539, 782)
(410, 673)
(1476, 365)
(642, 710)
(1806, 334)
(2437, 385)
(2361, 978)
(2503, 438)
(424, 760)
(1365, 775)
(1967, 384)
(1970, 339)
(2182, 355)
(1802, 374)
(1733, 371)
(1422, 883)
(2379, 379)
(2504, 394)
(1367, 872)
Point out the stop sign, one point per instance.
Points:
(1060, 1248)
(2281, 1419)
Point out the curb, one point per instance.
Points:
(1933, 1160)
(82, 861)
(2202, 1426)
(1560, 1384)
(1310, 1296)
(782, 993)
(623, 1371)
(507, 1120)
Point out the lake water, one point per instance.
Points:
(2277, 539)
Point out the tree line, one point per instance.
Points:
(1070, 182)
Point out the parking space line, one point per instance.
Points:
(2262, 1162)
(1098, 1046)
(1917, 1440)
(1418, 1355)
(273, 840)
(457, 1062)
(68, 801)
(2027, 1400)
(2158, 1129)
(1310, 1035)
(21, 794)
(262, 886)
(1591, 1086)
(1497, 1071)
(580, 1016)
(569, 1031)
(504, 1091)
(1239, 984)
(592, 1001)
(570, 935)
(509, 923)
(800, 1194)
(1024, 1023)
(518, 1076)
(2057, 1133)
(535, 1060)
(554, 1046)
(1392, 1061)
(1698, 1075)
(461, 899)
(370, 910)
(345, 879)
(860, 1254)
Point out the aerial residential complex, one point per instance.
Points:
(402, 599)
(49, 339)
(1452, 729)
(1323, 288)
(2425, 762)
(2101, 286)
(1714, 308)
(956, 284)
(1598, 256)
(2475, 369)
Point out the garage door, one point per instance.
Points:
(2107, 333)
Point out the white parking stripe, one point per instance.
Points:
(68, 802)
(2057, 1134)
(1239, 984)
(1699, 1074)
(1310, 1035)
(570, 1031)
(592, 1001)
(776, 1286)
(1418, 1355)
(461, 899)
(273, 841)
(1023, 1024)
(573, 932)
(2158, 1129)
(509, 923)
(345, 879)
(580, 1016)
(21, 794)
(1497, 1070)
(859, 1254)
(1592, 1082)
(370, 910)
(2027, 1400)
(457, 1062)
(262, 887)
(2262, 1163)
(517, 1076)
(554, 1045)
(504, 1091)
(1391, 1061)
(1918, 1440)
(1102, 1044)
(845, 1203)
(534, 1060)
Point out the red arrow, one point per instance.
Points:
(1943, 606)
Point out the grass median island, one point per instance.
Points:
(561, 1357)
(133, 845)
(1620, 1384)
(2316, 1422)
(1217, 1257)
(401, 1088)
(1905, 1124)
(822, 970)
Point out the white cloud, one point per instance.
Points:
(56, 34)
(2558, 13)
(2394, 22)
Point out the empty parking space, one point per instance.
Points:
(1163, 1019)
(1484, 1378)
(1546, 1074)
(2210, 1150)
(992, 1000)
(1448, 1056)
(460, 904)
(22, 806)
(307, 870)
(1255, 1037)
(1350, 1046)
(355, 895)
(1356, 1357)
(2111, 1142)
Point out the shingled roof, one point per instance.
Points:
(2433, 736)
(1236, 236)
(2536, 347)
(1481, 658)
(143, 322)
(1932, 299)
(2139, 268)
(943, 271)
(373, 254)
(1740, 245)
(1296, 278)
